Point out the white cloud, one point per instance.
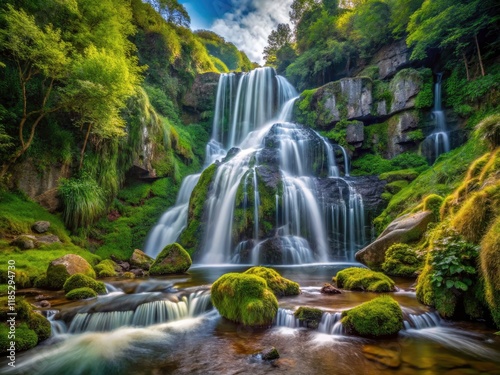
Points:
(250, 22)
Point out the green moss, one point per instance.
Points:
(106, 268)
(425, 97)
(244, 299)
(172, 259)
(25, 338)
(40, 325)
(278, 284)
(128, 275)
(355, 278)
(58, 274)
(401, 260)
(135, 194)
(433, 203)
(304, 109)
(396, 186)
(79, 280)
(193, 234)
(381, 316)
(310, 316)
(81, 293)
(404, 174)
(490, 269)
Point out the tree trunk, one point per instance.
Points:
(85, 145)
(466, 67)
(479, 55)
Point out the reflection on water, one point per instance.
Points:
(209, 344)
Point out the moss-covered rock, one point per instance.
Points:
(404, 174)
(278, 284)
(490, 269)
(433, 203)
(82, 281)
(173, 259)
(355, 278)
(396, 186)
(106, 268)
(81, 293)
(381, 316)
(25, 338)
(141, 260)
(61, 269)
(244, 299)
(128, 275)
(401, 260)
(310, 316)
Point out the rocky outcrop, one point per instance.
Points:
(41, 226)
(404, 87)
(61, 269)
(201, 95)
(140, 260)
(405, 229)
(402, 133)
(391, 58)
(40, 185)
(355, 133)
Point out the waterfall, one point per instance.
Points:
(145, 314)
(330, 324)
(438, 141)
(422, 321)
(286, 318)
(57, 327)
(173, 221)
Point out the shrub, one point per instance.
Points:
(83, 201)
(381, 316)
(278, 284)
(245, 299)
(401, 260)
(310, 316)
(82, 281)
(489, 130)
(81, 293)
(355, 278)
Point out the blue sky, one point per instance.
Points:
(246, 23)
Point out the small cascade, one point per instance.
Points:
(330, 324)
(438, 142)
(112, 289)
(286, 318)
(144, 315)
(173, 221)
(422, 321)
(57, 327)
(347, 168)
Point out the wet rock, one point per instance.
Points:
(391, 58)
(355, 133)
(24, 242)
(404, 88)
(399, 133)
(62, 268)
(309, 316)
(269, 354)
(44, 304)
(330, 289)
(138, 272)
(385, 356)
(141, 260)
(41, 226)
(407, 228)
(201, 95)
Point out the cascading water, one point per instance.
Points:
(267, 202)
(438, 141)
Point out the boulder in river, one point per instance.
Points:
(62, 268)
(139, 259)
(172, 259)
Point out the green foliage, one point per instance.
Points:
(396, 186)
(381, 316)
(401, 260)
(310, 316)
(277, 40)
(79, 280)
(83, 201)
(106, 268)
(26, 338)
(135, 193)
(406, 163)
(490, 269)
(425, 96)
(355, 278)
(403, 174)
(172, 259)
(489, 130)
(278, 284)
(81, 293)
(244, 299)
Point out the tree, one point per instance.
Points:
(36, 52)
(276, 40)
(172, 11)
(299, 7)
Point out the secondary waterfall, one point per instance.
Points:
(276, 196)
(438, 141)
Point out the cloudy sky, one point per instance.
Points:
(246, 23)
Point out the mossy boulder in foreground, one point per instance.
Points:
(62, 268)
(172, 259)
(278, 284)
(244, 298)
(381, 316)
(81, 293)
(310, 316)
(82, 281)
(355, 278)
